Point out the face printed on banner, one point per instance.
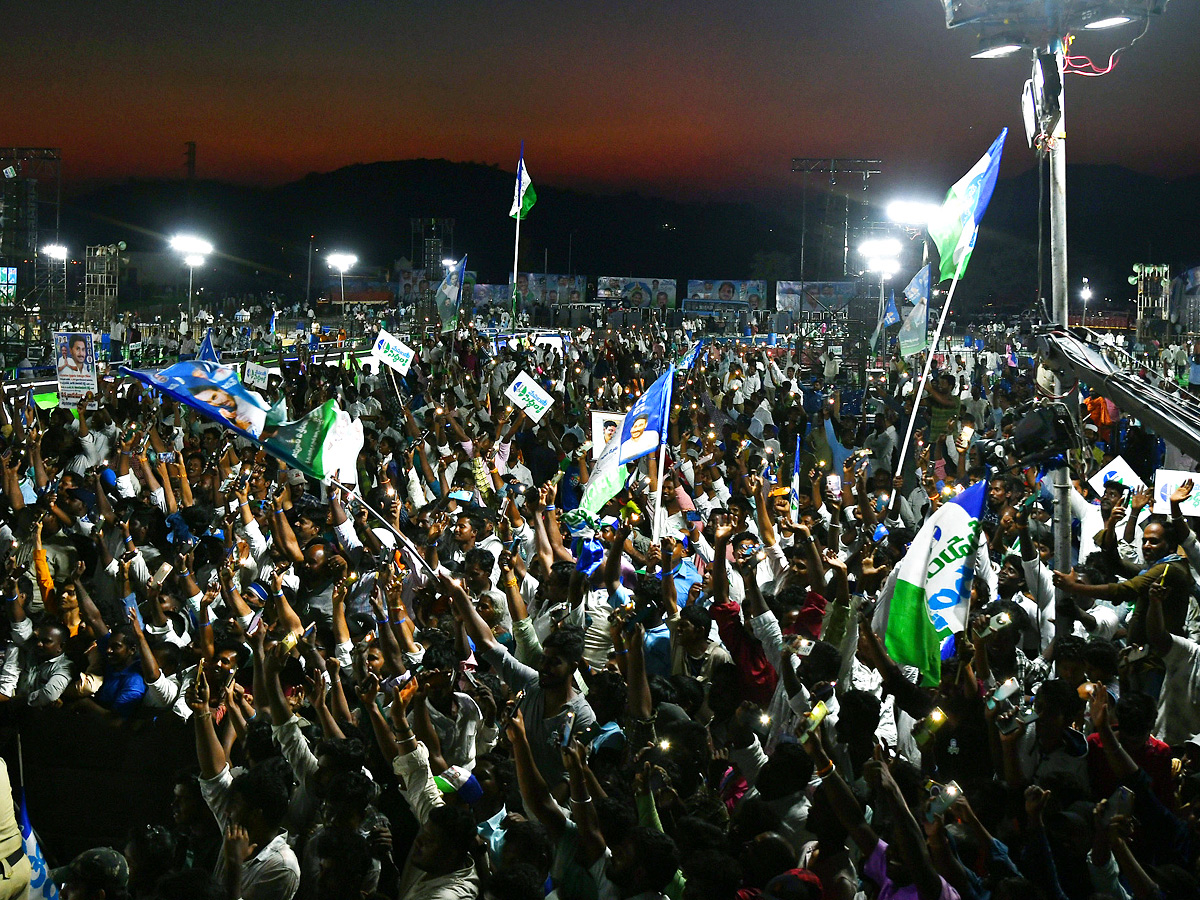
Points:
(726, 291)
(638, 428)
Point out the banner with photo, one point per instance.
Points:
(749, 292)
(605, 425)
(820, 300)
(413, 286)
(484, 295)
(548, 289)
(659, 293)
(75, 364)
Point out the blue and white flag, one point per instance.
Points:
(954, 227)
(891, 315)
(645, 425)
(41, 885)
(274, 316)
(208, 353)
(689, 358)
(30, 407)
(918, 288)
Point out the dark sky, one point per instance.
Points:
(682, 99)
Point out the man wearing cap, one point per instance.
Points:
(99, 872)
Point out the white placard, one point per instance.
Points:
(393, 352)
(256, 375)
(1165, 482)
(604, 426)
(528, 395)
(75, 365)
(1119, 470)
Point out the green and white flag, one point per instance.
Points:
(914, 333)
(956, 224)
(524, 196)
(932, 596)
(324, 444)
(606, 481)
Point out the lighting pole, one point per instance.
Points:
(1086, 294)
(194, 251)
(881, 255)
(342, 262)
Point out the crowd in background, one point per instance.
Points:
(446, 683)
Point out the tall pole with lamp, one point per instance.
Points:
(194, 251)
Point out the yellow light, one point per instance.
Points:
(938, 716)
(764, 719)
(664, 745)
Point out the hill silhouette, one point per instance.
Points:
(1116, 217)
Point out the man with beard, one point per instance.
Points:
(549, 690)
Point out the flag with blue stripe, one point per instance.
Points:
(955, 226)
(645, 425)
(795, 502)
(41, 885)
(208, 353)
(892, 315)
(689, 358)
(918, 288)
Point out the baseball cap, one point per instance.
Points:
(457, 780)
(100, 869)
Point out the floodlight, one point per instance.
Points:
(880, 247)
(885, 266)
(186, 243)
(341, 261)
(193, 260)
(1108, 22)
(55, 251)
(911, 212)
(997, 47)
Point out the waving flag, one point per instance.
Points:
(955, 226)
(891, 315)
(319, 443)
(41, 885)
(606, 481)
(449, 295)
(645, 425)
(932, 594)
(693, 353)
(914, 333)
(208, 353)
(918, 288)
(274, 316)
(524, 196)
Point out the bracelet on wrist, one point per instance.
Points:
(825, 771)
(551, 508)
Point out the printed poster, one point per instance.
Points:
(75, 365)
(530, 396)
(605, 425)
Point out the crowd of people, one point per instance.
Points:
(449, 683)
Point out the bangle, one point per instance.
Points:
(511, 582)
(185, 572)
(382, 620)
(584, 800)
(129, 540)
(825, 771)
(551, 508)
(203, 714)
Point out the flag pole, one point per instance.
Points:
(937, 336)
(662, 461)
(517, 241)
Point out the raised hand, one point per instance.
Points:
(1183, 492)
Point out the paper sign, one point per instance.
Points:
(256, 375)
(527, 394)
(1119, 471)
(391, 351)
(604, 426)
(75, 365)
(1165, 482)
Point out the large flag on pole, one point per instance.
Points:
(914, 333)
(524, 196)
(645, 425)
(955, 225)
(41, 885)
(449, 295)
(932, 594)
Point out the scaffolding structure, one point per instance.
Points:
(102, 272)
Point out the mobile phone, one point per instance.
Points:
(389, 684)
(833, 483)
(994, 624)
(799, 646)
(161, 575)
(502, 723)
(811, 720)
(941, 798)
(556, 477)
(881, 533)
(692, 515)
(1119, 804)
(1002, 692)
(968, 432)
(512, 545)
(255, 623)
(130, 603)
(564, 738)
(924, 730)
